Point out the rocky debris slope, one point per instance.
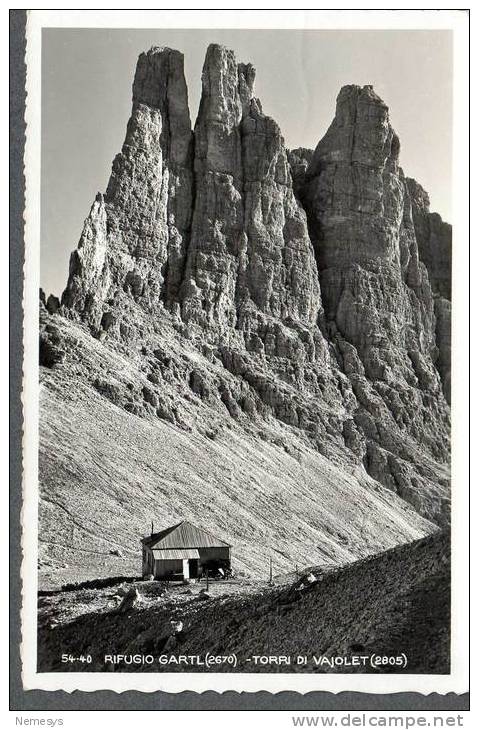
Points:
(117, 450)
(225, 286)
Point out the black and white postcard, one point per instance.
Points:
(245, 316)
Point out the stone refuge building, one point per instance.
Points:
(183, 552)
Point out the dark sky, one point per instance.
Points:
(86, 97)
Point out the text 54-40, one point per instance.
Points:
(82, 659)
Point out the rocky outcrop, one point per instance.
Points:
(299, 160)
(375, 289)
(250, 252)
(134, 240)
(442, 308)
(434, 239)
(249, 288)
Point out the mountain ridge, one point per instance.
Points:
(279, 292)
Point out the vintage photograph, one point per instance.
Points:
(244, 373)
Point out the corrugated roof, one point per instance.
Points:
(184, 554)
(183, 535)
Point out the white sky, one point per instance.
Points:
(86, 101)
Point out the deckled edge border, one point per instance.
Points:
(109, 699)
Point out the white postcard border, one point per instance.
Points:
(457, 681)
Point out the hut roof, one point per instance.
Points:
(176, 554)
(183, 536)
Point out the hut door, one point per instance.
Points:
(193, 568)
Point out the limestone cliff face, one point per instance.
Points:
(134, 240)
(254, 288)
(434, 239)
(250, 252)
(375, 289)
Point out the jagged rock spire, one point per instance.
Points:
(352, 166)
(160, 83)
(250, 253)
(330, 319)
(434, 240)
(376, 291)
(134, 240)
(239, 247)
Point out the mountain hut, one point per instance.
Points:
(183, 552)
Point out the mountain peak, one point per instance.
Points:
(232, 308)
